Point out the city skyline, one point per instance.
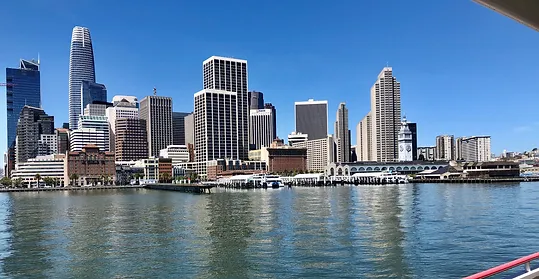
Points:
(354, 93)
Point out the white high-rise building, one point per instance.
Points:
(48, 145)
(385, 116)
(320, 152)
(405, 143)
(95, 109)
(342, 134)
(92, 130)
(261, 128)
(296, 137)
(122, 107)
(475, 149)
(157, 111)
(364, 137)
(178, 154)
(445, 147)
(81, 68)
(222, 111)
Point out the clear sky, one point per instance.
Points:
(464, 69)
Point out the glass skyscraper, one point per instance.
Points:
(91, 91)
(22, 88)
(81, 68)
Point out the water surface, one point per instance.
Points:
(406, 231)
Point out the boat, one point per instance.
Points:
(529, 272)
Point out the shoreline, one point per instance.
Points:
(70, 188)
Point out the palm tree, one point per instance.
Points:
(165, 177)
(38, 178)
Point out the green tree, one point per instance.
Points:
(17, 182)
(38, 178)
(164, 177)
(6, 181)
(48, 181)
(73, 177)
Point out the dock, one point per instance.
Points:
(476, 180)
(68, 188)
(186, 188)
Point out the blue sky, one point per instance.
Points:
(464, 69)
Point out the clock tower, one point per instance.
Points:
(405, 142)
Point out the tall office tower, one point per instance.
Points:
(81, 68)
(256, 100)
(131, 139)
(189, 122)
(97, 108)
(312, 118)
(385, 116)
(274, 113)
(122, 107)
(178, 127)
(62, 138)
(342, 134)
(91, 92)
(445, 147)
(157, 111)
(475, 149)
(364, 137)
(33, 122)
(405, 142)
(92, 130)
(23, 87)
(413, 128)
(222, 111)
(262, 127)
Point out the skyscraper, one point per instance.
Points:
(473, 149)
(91, 130)
(262, 127)
(189, 123)
(385, 116)
(222, 111)
(157, 111)
(23, 87)
(256, 100)
(178, 127)
(364, 138)
(445, 147)
(122, 107)
(312, 118)
(274, 114)
(413, 128)
(131, 139)
(81, 68)
(33, 122)
(92, 92)
(342, 134)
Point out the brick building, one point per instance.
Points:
(90, 166)
(286, 159)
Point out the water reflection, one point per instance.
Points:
(410, 231)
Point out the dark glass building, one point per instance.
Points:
(312, 118)
(92, 93)
(178, 127)
(413, 129)
(274, 115)
(256, 100)
(22, 88)
(33, 122)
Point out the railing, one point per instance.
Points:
(507, 266)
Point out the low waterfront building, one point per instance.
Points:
(497, 169)
(400, 167)
(285, 159)
(50, 166)
(165, 170)
(178, 153)
(90, 166)
(224, 168)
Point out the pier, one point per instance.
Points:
(476, 180)
(186, 188)
(68, 188)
